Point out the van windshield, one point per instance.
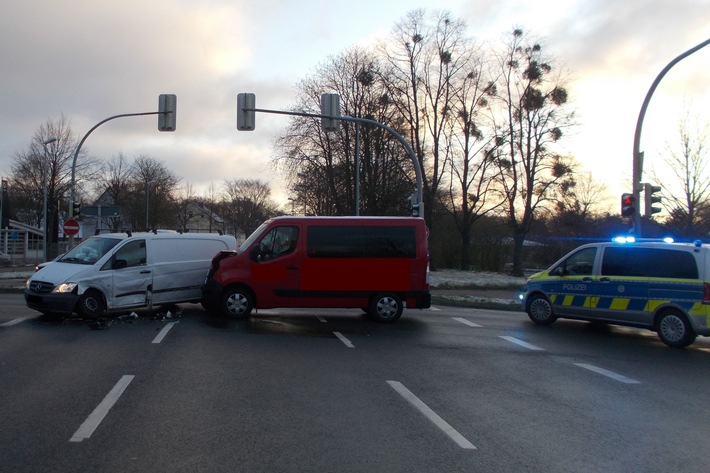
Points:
(252, 238)
(90, 251)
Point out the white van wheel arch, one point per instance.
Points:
(91, 304)
(674, 329)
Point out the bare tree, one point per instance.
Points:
(322, 168)
(687, 194)
(247, 203)
(48, 166)
(153, 192)
(422, 56)
(534, 116)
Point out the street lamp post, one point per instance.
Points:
(46, 142)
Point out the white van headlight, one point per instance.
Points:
(65, 288)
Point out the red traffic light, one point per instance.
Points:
(628, 209)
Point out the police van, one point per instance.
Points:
(664, 287)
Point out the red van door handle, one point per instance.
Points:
(292, 267)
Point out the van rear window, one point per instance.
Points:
(361, 242)
(649, 262)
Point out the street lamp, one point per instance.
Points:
(46, 142)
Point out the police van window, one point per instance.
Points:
(580, 263)
(649, 262)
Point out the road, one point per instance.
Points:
(449, 389)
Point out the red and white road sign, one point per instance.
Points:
(71, 227)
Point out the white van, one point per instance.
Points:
(121, 271)
(664, 287)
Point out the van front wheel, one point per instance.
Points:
(385, 307)
(91, 305)
(237, 303)
(674, 330)
(540, 310)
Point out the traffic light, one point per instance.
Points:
(246, 116)
(649, 199)
(329, 107)
(628, 207)
(167, 106)
(75, 209)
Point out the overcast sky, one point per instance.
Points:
(91, 59)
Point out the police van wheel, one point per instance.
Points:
(385, 307)
(237, 303)
(91, 305)
(674, 330)
(540, 310)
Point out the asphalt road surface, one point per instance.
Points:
(442, 390)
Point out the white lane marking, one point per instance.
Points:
(466, 322)
(345, 341)
(431, 415)
(521, 343)
(322, 319)
(15, 321)
(95, 418)
(161, 335)
(435, 309)
(610, 374)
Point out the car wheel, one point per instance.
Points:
(385, 307)
(540, 310)
(91, 305)
(674, 330)
(237, 303)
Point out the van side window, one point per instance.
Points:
(129, 255)
(579, 264)
(279, 241)
(361, 242)
(649, 262)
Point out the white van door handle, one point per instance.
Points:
(145, 271)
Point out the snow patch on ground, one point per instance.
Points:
(452, 279)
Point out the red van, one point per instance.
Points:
(373, 263)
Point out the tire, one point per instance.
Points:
(385, 307)
(674, 330)
(237, 303)
(91, 305)
(540, 310)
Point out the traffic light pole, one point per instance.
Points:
(345, 118)
(638, 154)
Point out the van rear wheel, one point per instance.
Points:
(674, 330)
(237, 303)
(385, 307)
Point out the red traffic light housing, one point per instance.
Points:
(628, 205)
